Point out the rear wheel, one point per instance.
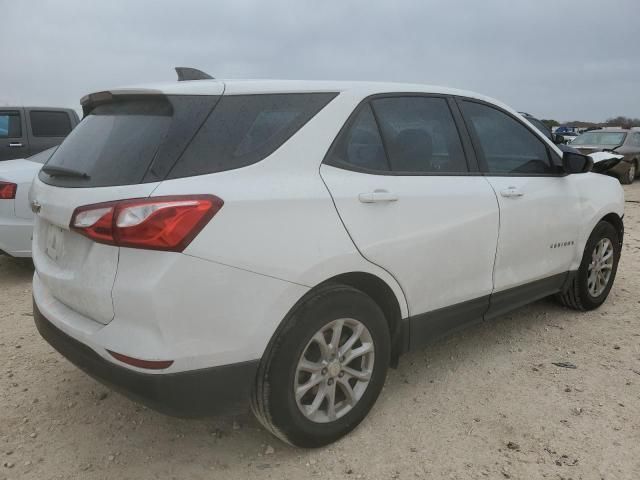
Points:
(594, 279)
(630, 176)
(324, 369)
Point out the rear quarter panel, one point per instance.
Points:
(278, 218)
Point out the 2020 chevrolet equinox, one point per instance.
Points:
(202, 244)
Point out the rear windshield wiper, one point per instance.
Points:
(56, 171)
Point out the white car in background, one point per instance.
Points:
(199, 244)
(16, 217)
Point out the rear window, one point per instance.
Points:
(244, 129)
(116, 143)
(49, 124)
(149, 138)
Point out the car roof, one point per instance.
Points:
(247, 87)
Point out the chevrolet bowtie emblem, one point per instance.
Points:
(35, 207)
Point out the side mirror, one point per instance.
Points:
(558, 139)
(576, 163)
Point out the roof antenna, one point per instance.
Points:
(187, 73)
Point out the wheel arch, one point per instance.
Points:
(615, 220)
(375, 288)
(383, 295)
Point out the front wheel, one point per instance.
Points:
(594, 279)
(629, 177)
(324, 369)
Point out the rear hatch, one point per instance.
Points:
(122, 149)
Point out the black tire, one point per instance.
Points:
(627, 178)
(273, 400)
(577, 295)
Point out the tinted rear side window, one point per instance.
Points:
(116, 143)
(244, 129)
(49, 124)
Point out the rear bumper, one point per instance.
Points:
(210, 391)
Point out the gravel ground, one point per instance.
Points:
(484, 403)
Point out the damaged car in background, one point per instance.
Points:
(619, 143)
(603, 161)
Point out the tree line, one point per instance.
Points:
(620, 121)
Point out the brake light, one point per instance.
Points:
(8, 190)
(156, 223)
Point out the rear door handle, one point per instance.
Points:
(377, 196)
(15, 145)
(511, 192)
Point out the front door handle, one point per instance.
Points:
(15, 145)
(378, 196)
(511, 192)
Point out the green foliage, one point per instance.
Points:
(550, 123)
(624, 122)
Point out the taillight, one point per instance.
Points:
(156, 223)
(8, 190)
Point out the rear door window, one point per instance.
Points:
(244, 129)
(49, 124)
(10, 125)
(420, 135)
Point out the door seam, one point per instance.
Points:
(495, 256)
(356, 246)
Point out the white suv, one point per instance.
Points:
(200, 244)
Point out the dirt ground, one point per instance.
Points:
(484, 403)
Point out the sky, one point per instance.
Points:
(566, 60)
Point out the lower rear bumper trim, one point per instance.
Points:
(211, 391)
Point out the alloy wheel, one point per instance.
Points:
(334, 370)
(600, 268)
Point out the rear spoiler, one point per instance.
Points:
(89, 102)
